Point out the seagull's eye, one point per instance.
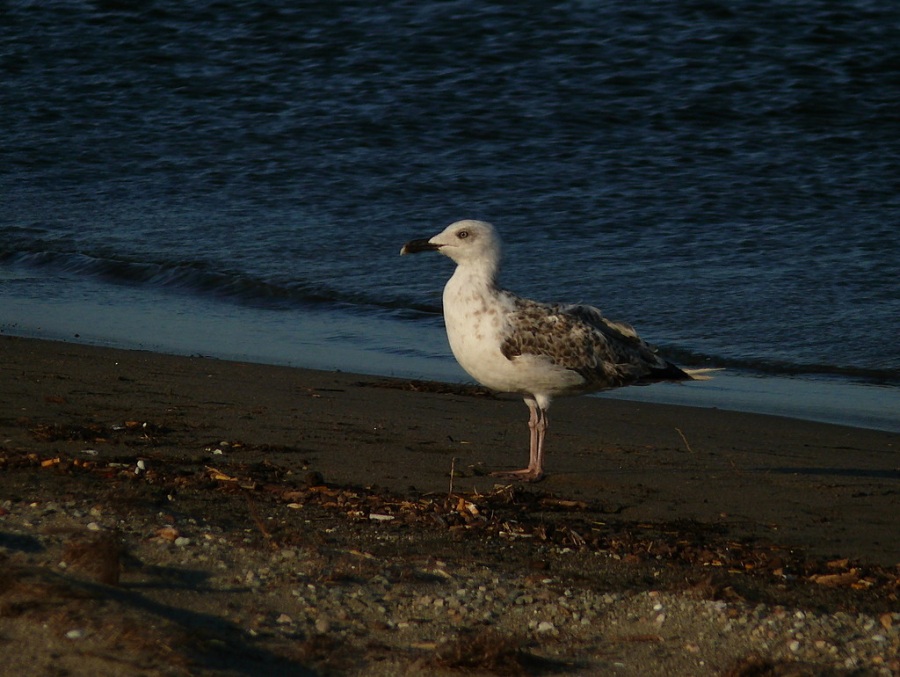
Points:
(463, 234)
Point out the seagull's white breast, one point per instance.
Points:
(477, 320)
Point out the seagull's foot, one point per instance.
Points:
(523, 475)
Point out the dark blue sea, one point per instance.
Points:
(235, 179)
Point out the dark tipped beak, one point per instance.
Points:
(416, 246)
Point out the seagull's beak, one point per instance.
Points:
(416, 246)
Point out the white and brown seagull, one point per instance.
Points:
(541, 350)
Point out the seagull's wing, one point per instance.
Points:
(605, 353)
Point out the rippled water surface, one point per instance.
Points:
(723, 175)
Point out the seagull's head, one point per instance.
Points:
(464, 241)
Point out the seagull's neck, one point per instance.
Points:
(476, 277)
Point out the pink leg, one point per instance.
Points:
(537, 424)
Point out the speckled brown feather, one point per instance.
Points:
(606, 354)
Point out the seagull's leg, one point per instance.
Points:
(537, 425)
(533, 423)
(537, 462)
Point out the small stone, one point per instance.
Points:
(323, 625)
(75, 634)
(545, 627)
(167, 533)
(284, 619)
(182, 541)
(93, 526)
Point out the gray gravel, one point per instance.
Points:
(387, 609)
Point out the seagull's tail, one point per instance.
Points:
(704, 374)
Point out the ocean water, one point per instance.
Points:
(235, 179)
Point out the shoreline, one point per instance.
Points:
(822, 399)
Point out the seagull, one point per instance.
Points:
(539, 350)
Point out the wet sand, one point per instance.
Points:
(829, 489)
(828, 492)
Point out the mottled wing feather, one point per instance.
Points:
(605, 353)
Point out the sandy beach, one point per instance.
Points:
(179, 515)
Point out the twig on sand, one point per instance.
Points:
(684, 439)
(452, 475)
(251, 508)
